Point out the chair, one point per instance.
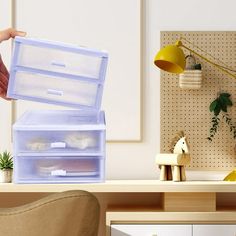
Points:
(71, 213)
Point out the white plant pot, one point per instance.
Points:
(6, 176)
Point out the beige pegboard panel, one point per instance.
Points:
(188, 110)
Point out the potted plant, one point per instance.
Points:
(6, 167)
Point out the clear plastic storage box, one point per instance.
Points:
(57, 73)
(58, 146)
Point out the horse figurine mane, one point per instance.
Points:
(179, 144)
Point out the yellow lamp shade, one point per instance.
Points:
(171, 59)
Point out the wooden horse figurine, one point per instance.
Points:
(177, 159)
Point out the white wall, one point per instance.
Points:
(85, 23)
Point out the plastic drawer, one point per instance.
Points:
(58, 60)
(63, 141)
(58, 169)
(69, 132)
(57, 90)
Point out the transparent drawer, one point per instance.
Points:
(61, 169)
(59, 57)
(53, 141)
(56, 90)
(45, 56)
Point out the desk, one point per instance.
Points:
(142, 200)
(126, 186)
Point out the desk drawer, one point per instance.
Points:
(214, 230)
(150, 230)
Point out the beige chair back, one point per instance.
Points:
(71, 213)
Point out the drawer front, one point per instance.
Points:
(56, 90)
(61, 61)
(214, 230)
(50, 141)
(150, 230)
(61, 169)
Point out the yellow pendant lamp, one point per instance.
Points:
(171, 58)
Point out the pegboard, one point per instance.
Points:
(188, 110)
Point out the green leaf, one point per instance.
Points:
(224, 107)
(6, 161)
(222, 104)
(225, 94)
(217, 109)
(197, 66)
(226, 100)
(213, 106)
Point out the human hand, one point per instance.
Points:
(10, 33)
(4, 74)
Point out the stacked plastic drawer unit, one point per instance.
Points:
(58, 146)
